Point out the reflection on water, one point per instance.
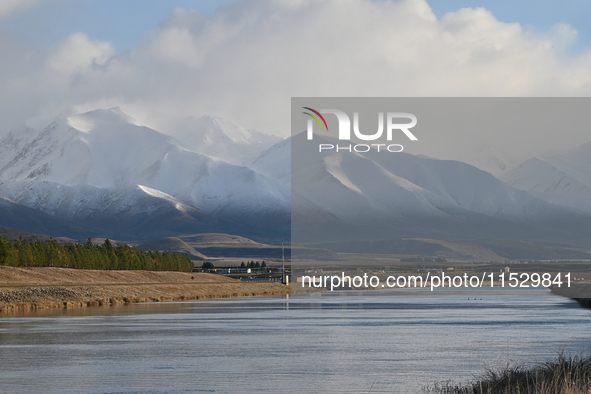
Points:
(383, 341)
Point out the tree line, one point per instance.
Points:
(24, 253)
(252, 264)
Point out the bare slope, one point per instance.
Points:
(173, 243)
(217, 239)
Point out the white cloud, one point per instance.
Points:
(250, 57)
(7, 7)
(77, 54)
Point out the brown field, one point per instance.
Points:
(36, 288)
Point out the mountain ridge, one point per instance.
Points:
(115, 154)
(106, 172)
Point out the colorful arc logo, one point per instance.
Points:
(315, 118)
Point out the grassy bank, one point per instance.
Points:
(565, 375)
(50, 287)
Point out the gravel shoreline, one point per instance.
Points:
(105, 296)
(34, 294)
(31, 288)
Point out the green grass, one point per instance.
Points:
(566, 375)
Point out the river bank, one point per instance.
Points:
(564, 375)
(580, 292)
(31, 288)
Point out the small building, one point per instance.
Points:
(236, 270)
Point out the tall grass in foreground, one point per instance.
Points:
(567, 375)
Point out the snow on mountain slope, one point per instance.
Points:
(401, 184)
(275, 162)
(108, 149)
(105, 171)
(353, 187)
(84, 202)
(387, 193)
(539, 176)
(133, 212)
(418, 184)
(563, 178)
(465, 186)
(19, 217)
(222, 139)
(13, 143)
(576, 162)
(492, 160)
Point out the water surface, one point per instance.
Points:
(390, 341)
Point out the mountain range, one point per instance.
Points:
(104, 174)
(378, 195)
(563, 178)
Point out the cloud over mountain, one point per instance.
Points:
(245, 62)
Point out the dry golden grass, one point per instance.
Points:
(566, 375)
(43, 276)
(37, 288)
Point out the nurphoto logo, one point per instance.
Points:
(344, 130)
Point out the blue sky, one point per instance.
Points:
(125, 23)
(122, 23)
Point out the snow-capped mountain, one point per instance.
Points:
(222, 139)
(403, 184)
(124, 212)
(105, 173)
(113, 155)
(275, 162)
(108, 149)
(563, 178)
(395, 195)
(492, 160)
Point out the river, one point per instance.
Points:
(389, 341)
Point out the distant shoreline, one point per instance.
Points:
(30, 288)
(580, 292)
